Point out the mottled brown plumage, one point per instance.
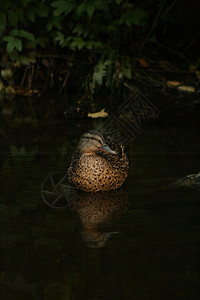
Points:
(98, 164)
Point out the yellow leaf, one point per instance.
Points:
(187, 88)
(181, 87)
(173, 83)
(100, 114)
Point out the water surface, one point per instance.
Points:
(144, 243)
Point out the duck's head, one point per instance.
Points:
(93, 141)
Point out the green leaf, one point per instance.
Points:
(22, 33)
(62, 7)
(79, 29)
(12, 18)
(82, 7)
(90, 10)
(12, 43)
(42, 9)
(24, 60)
(60, 38)
(59, 4)
(18, 44)
(90, 6)
(139, 17)
(136, 17)
(69, 39)
(25, 2)
(49, 25)
(126, 67)
(99, 73)
(28, 35)
(126, 71)
(42, 41)
(54, 22)
(88, 45)
(78, 42)
(14, 55)
(97, 44)
(17, 152)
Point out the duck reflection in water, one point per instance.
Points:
(98, 213)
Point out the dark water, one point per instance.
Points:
(138, 243)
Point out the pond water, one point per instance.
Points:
(141, 242)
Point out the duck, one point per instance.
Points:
(98, 164)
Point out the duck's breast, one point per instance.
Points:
(94, 173)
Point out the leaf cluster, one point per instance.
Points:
(106, 33)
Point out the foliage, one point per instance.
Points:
(67, 23)
(103, 34)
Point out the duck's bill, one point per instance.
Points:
(107, 149)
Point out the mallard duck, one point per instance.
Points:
(98, 164)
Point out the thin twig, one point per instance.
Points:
(24, 76)
(168, 9)
(174, 52)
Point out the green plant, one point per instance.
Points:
(97, 38)
(28, 24)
